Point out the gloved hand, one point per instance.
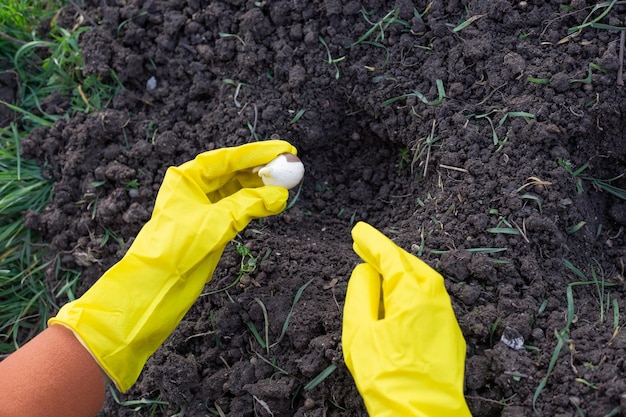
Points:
(400, 338)
(138, 302)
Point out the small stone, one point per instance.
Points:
(151, 84)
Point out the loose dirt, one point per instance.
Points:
(474, 183)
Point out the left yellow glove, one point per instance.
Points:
(138, 302)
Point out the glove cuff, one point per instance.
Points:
(126, 316)
(64, 318)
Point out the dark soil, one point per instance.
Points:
(431, 176)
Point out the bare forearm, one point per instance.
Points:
(53, 375)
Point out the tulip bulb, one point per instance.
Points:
(286, 170)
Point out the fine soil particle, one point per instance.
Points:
(479, 184)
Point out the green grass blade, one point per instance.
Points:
(503, 230)
(575, 270)
(468, 22)
(553, 359)
(486, 250)
(29, 116)
(611, 189)
(587, 22)
(293, 305)
(607, 27)
(256, 335)
(319, 378)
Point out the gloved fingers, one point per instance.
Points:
(406, 279)
(184, 229)
(232, 167)
(235, 211)
(230, 184)
(362, 297)
(361, 306)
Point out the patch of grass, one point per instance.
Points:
(152, 406)
(441, 95)
(378, 28)
(25, 300)
(588, 78)
(599, 184)
(489, 116)
(247, 266)
(534, 198)
(562, 336)
(404, 158)
(237, 86)
(590, 21)
(422, 150)
(43, 63)
(52, 66)
(597, 280)
(152, 130)
(330, 59)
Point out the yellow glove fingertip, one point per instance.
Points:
(359, 229)
(260, 153)
(369, 243)
(281, 144)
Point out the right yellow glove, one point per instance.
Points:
(201, 206)
(400, 338)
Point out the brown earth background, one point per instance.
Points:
(356, 87)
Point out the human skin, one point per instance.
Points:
(53, 375)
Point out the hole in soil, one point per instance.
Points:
(352, 173)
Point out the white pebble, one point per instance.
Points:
(151, 84)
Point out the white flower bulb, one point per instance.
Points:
(286, 170)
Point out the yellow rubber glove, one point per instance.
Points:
(201, 206)
(400, 338)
